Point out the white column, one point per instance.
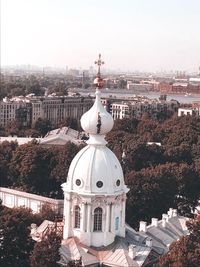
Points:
(89, 218)
(67, 218)
(83, 217)
(108, 218)
(112, 220)
(123, 212)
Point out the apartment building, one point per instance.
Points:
(12, 109)
(28, 109)
(135, 109)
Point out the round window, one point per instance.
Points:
(99, 184)
(78, 182)
(118, 182)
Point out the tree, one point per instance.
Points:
(46, 252)
(15, 241)
(70, 122)
(76, 263)
(42, 126)
(186, 251)
(60, 165)
(188, 188)
(33, 86)
(152, 192)
(30, 169)
(6, 151)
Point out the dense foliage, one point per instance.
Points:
(159, 177)
(15, 241)
(46, 252)
(17, 248)
(34, 168)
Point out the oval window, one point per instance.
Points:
(78, 182)
(118, 182)
(99, 184)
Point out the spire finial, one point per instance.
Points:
(99, 62)
(99, 81)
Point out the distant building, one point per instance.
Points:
(139, 107)
(145, 87)
(26, 110)
(165, 87)
(188, 111)
(11, 110)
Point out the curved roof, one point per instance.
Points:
(96, 169)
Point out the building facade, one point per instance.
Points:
(136, 109)
(27, 110)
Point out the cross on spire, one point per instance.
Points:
(99, 62)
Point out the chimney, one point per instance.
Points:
(170, 213)
(163, 222)
(132, 251)
(154, 222)
(174, 212)
(165, 216)
(148, 242)
(143, 226)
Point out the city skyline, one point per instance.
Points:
(130, 35)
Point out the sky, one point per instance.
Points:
(144, 35)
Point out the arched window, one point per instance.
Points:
(77, 217)
(98, 219)
(117, 223)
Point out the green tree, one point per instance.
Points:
(60, 164)
(30, 169)
(46, 252)
(6, 151)
(70, 122)
(15, 241)
(42, 126)
(152, 192)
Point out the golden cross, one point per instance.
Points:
(99, 62)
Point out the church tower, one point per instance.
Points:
(95, 193)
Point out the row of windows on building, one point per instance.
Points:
(97, 219)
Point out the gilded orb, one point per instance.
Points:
(98, 82)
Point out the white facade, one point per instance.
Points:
(53, 108)
(95, 193)
(14, 198)
(188, 111)
(120, 110)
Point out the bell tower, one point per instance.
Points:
(95, 193)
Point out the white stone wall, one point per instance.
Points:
(13, 198)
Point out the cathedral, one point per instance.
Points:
(95, 203)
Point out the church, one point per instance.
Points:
(95, 202)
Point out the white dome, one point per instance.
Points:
(97, 121)
(96, 169)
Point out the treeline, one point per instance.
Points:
(159, 176)
(36, 169)
(39, 129)
(23, 85)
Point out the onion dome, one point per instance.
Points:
(97, 121)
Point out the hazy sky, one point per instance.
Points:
(130, 34)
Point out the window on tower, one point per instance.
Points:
(98, 219)
(117, 223)
(77, 217)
